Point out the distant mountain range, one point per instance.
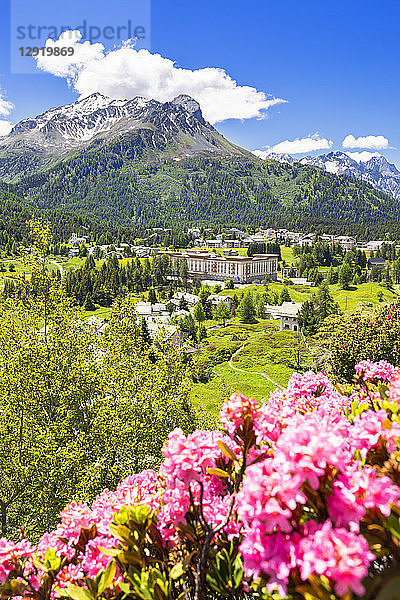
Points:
(142, 163)
(377, 170)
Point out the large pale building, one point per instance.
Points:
(222, 268)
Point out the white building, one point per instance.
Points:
(289, 271)
(347, 242)
(374, 245)
(195, 232)
(222, 268)
(153, 314)
(287, 315)
(191, 299)
(217, 243)
(77, 240)
(215, 299)
(231, 243)
(307, 240)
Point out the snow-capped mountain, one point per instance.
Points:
(96, 120)
(79, 121)
(376, 170)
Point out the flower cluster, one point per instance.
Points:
(295, 485)
(371, 371)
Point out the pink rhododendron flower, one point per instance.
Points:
(394, 388)
(340, 555)
(373, 371)
(234, 410)
(368, 430)
(272, 555)
(297, 511)
(188, 457)
(357, 490)
(11, 552)
(304, 394)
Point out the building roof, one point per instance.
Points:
(287, 309)
(220, 257)
(190, 298)
(146, 308)
(217, 298)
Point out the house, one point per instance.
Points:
(77, 240)
(293, 236)
(195, 232)
(231, 243)
(259, 237)
(191, 299)
(153, 314)
(217, 243)
(375, 245)
(289, 271)
(215, 299)
(327, 237)
(307, 240)
(376, 262)
(286, 313)
(347, 242)
(237, 233)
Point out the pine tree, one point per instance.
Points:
(183, 271)
(89, 263)
(88, 304)
(285, 296)
(202, 332)
(261, 312)
(199, 313)
(222, 312)
(152, 298)
(246, 310)
(144, 333)
(307, 318)
(345, 275)
(324, 302)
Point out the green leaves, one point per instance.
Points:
(226, 572)
(107, 577)
(227, 451)
(78, 593)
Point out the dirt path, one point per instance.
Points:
(59, 267)
(250, 372)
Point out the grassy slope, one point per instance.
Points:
(256, 356)
(264, 349)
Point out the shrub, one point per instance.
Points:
(375, 336)
(299, 496)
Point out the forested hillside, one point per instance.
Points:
(15, 212)
(120, 184)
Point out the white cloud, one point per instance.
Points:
(374, 142)
(297, 146)
(5, 106)
(126, 73)
(362, 156)
(5, 128)
(5, 109)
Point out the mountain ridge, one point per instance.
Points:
(158, 163)
(377, 171)
(58, 133)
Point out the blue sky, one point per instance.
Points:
(335, 65)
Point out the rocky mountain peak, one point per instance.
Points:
(377, 171)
